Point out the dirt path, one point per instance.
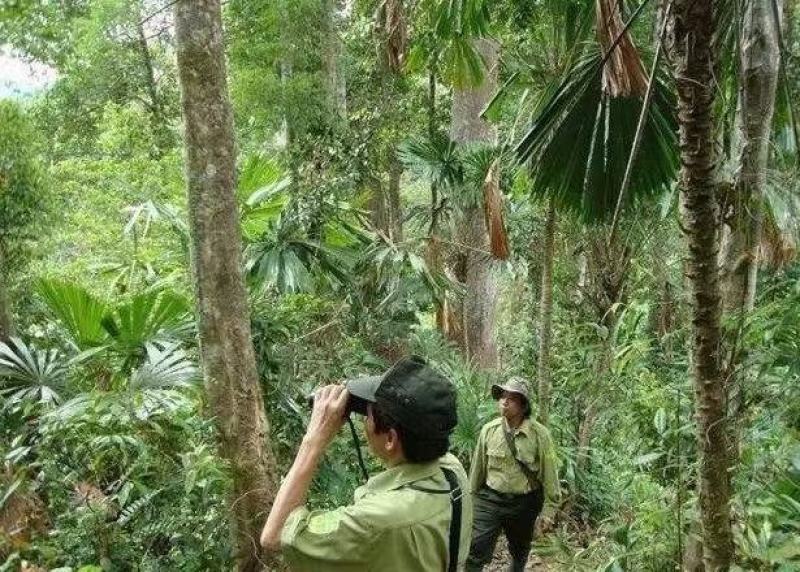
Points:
(502, 559)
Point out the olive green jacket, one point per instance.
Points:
(493, 464)
(390, 526)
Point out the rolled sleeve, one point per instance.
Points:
(338, 538)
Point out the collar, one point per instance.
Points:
(400, 476)
(524, 427)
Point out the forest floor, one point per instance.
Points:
(502, 559)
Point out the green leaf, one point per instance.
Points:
(79, 311)
(660, 421)
(579, 143)
(647, 458)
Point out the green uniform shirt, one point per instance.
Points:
(389, 527)
(494, 465)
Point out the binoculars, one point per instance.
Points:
(354, 404)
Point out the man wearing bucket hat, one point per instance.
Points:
(415, 515)
(513, 469)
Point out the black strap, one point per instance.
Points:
(455, 493)
(455, 520)
(533, 481)
(357, 445)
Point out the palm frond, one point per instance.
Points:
(165, 367)
(79, 311)
(582, 161)
(148, 317)
(493, 213)
(30, 374)
(436, 159)
(256, 173)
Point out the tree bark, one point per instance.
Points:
(332, 59)
(480, 298)
(759, 57)
(226, 348)
(155, 108)
(759, 66)
(694, 75)
(546, 313)
(384, 202)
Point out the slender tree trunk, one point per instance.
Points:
(694, 76)
(395, 203)
(759, 68)
(480, 298)
(6, 320)
(546, 313)
(155, 109)
(332, 59)
(226, 348)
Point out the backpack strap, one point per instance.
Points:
(456, 494)
(455, 521)
(533, 481)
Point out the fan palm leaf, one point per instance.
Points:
(78, 311)
(148, 317)
(579, 143)
(29, 374)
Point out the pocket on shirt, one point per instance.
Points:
(497, 458)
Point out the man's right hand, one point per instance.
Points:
(327, 416)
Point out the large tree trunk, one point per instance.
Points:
(546, 313)
(480, 298)
(694, 76)
(758, 82)
(226, 348)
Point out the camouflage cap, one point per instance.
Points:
(513, 385)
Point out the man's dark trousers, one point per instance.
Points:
(515, 515)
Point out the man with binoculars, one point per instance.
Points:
(415, 515)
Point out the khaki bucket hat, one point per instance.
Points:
(513, 385)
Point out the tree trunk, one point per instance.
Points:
(332, 59)
(694, 77)
(6, 319)
(226, 348)
(395, 204)
(758, 82)
(546, 313)
(480, 298)
(760, 64)
(384, 202)
(157, 120)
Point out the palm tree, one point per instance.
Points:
(581, 167)
(694, 59)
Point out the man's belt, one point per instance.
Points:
(509, 496)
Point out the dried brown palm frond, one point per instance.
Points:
(493, 211)
(623, 73)
(778, 248)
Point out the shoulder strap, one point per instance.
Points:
(533, 482)
(455, 520)
(456, 494)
